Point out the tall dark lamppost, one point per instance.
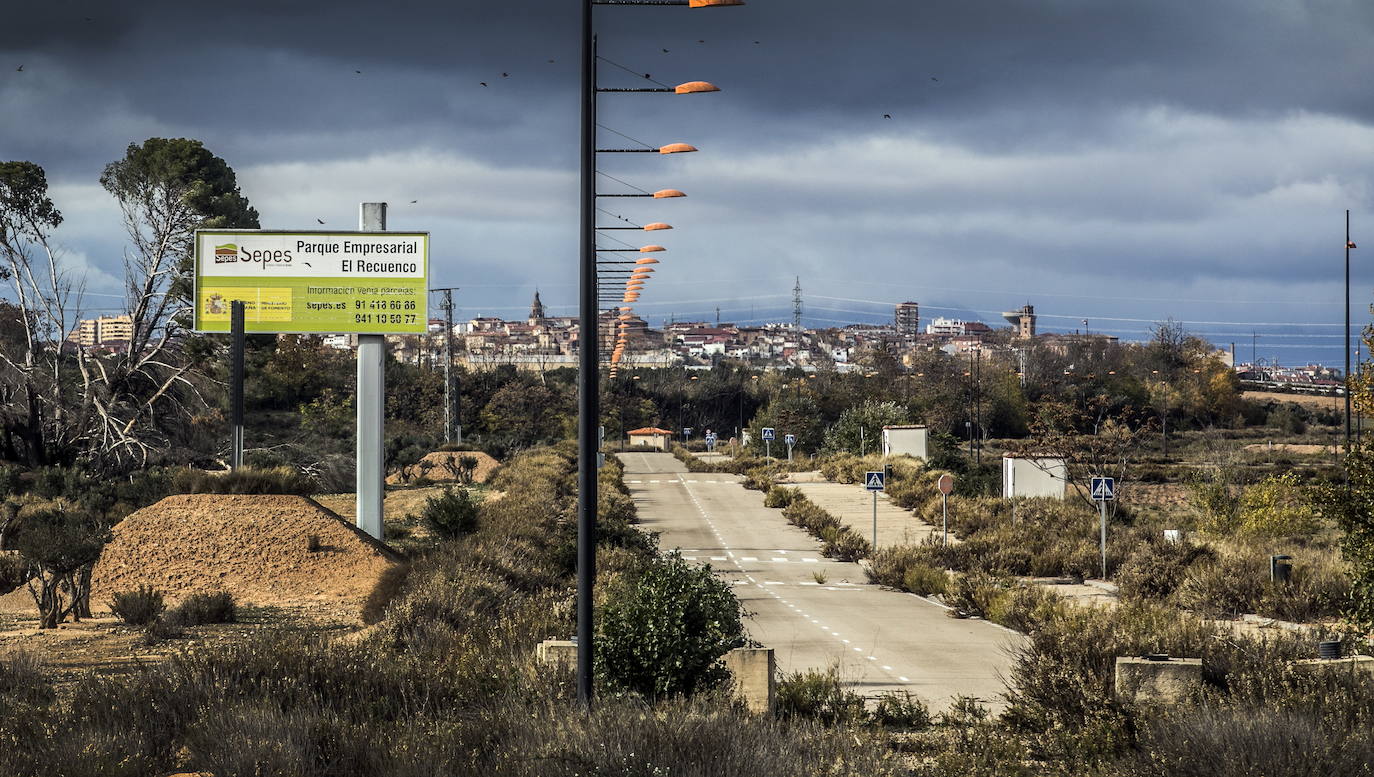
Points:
(588, 377)
(1349, 244)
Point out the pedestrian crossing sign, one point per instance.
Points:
(873, 481)
(1104, 489)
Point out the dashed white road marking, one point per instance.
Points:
(781, 558)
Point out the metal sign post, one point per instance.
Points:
(768, 435)
(874, 481)
(946, 485)
(1104, 491)
(790, 439)
(371, 398)
(236, 385)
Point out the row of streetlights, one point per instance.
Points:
(591, 298)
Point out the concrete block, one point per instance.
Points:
(1357, 666)
(752, 670)
(559, 653)
(1142, 680)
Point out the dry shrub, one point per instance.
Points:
(838, 541)
(244, 480)
(1157, 568)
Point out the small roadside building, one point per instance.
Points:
(650, 437)
(909, 440)
(1033, 476)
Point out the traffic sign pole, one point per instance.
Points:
(1103, 490)
(1102, 504)
(875, 520)
(945, 485)
(944, 510)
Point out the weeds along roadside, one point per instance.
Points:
(444, 681)
(1223, 573)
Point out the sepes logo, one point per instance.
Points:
(264, 258)
(226, 253)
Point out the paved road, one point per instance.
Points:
(815, 612)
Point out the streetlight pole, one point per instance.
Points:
(1347, 330)
(588, 351)
(588, 362)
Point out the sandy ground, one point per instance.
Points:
(442, 466)
(1288, 447)
(1306, 400)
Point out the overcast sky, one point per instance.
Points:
(1122, 162)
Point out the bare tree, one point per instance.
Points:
(38, 408)
(166, 189)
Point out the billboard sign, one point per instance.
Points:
(313, 282)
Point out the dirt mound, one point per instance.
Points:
(258, 548)
(442, 467)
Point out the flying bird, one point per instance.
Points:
(505, 75)
(359, 72)
(1350, 244)
(19, 69)
(701, 41)
(483, 83)
(665, 51)
(551, 62)
(320, 220)
(412, 202)
(648, 76)
(936, 80)
(887, 115)
(756, 43)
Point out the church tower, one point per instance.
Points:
(536, 310)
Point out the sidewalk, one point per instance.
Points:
(853, 505)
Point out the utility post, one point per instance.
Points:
(371, 399)
(452, 422)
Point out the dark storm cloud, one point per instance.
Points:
(1160, 144)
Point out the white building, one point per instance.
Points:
(1033, 476)
(905, 440)
(946, 326)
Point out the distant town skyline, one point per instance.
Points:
(1124, 163)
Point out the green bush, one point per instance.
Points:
(844, 544)
(923, 580)
(780, 496)
(14, 572)
(453, 513)
(664, 633)
(900, 709)
(139, 607)
(817, 696)
(1277, 507)
(200, 609)
(244, 480)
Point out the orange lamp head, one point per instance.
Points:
(666, 193)
(676, 148)
(695, 87)
(657, 225)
